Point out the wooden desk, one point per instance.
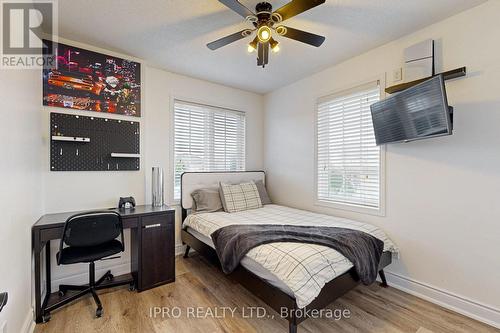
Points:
(152, 249)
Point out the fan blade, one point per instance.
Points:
(296, 7)
(227, 40)
(236, 6)
(303, 36)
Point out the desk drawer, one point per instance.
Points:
(50, 234)
(130, 222)
(155, 221)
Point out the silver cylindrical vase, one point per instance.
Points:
(157, 187)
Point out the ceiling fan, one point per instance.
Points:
(265, 22)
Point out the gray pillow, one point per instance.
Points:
(264, 197)
(206, 200)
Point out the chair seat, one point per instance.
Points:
(73, 254)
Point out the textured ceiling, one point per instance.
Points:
(172, 34)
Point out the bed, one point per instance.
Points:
(284, 275)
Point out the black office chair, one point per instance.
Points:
(89, 237)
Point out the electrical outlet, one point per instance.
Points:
(397, 75)
(3, 327)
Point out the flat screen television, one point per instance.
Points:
(419, 112)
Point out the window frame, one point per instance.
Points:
(171, 165)
(381, 210)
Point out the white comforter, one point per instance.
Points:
(304, 268)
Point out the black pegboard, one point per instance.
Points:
(106, 136)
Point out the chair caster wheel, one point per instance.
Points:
(98, 313)
(46, 318)
(110, 277)
(131, 287)
(62, 293)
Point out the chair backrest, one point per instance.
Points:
(92, 228)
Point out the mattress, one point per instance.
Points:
(299, 269)
(250, 264)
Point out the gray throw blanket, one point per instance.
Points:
(233, 242)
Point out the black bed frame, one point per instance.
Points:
(272, 295)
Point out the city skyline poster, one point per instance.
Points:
(80, 79)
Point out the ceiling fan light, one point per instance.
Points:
(274, 45)
(264, 33)
(252, 46)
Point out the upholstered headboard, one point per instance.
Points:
(191, 181)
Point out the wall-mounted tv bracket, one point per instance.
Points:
(448, 75)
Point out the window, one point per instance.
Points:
(207, 138)
(348, 159)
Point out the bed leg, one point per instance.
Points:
(186, 254)
(382, 277)
(292, 327)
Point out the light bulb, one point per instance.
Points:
(252, 46)
(274, 45)
(264, 33)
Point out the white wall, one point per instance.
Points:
(442, 194)
(67, 191)
(21, 197)
(162, 88)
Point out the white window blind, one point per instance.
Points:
(207, 138)
(348, 160)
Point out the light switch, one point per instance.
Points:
(397, 75)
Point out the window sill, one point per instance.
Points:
(351, 207)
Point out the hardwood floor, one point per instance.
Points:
(201, 287)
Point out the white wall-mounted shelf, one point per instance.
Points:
(69, 138)
(125, 155)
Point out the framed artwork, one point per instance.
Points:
(85, 80)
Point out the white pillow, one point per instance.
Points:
(236, 198)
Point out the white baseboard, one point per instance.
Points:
(476, 310)
(29, 323)
(179, 249)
